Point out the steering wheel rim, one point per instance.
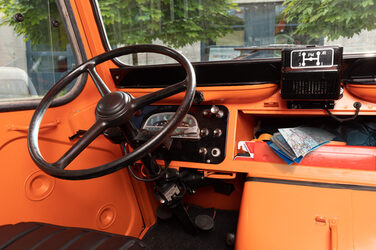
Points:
(124, 105)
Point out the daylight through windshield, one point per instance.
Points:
(213, 30)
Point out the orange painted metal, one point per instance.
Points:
(364, 92)
(281, 216)
(52, 124)
(364, 219)
(284, 216)
(220, 94)
(352, 157)
(333, 226)
(108, 203)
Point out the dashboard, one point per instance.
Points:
(200, 137)
(306, 82)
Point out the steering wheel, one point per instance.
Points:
(114, 109)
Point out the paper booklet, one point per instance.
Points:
(292, 144)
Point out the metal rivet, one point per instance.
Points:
(55, 23)
(18, 17)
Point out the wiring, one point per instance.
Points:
(147, 179)
(357, 106)
(160, 175)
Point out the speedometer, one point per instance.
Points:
(187, 129)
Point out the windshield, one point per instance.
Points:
(213, 30)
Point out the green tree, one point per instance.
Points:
(37, 24)
(174, 22)
(330, 18)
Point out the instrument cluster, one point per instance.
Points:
(200, 137)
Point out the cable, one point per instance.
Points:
(149, 179)
(139, 178)
(357, 106)
(142, 171)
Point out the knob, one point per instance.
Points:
(202, 151)
(206, 112)
(220, 114)
(217, 132)
(204, 132)
(214, 110)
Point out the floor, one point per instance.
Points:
(169, 234)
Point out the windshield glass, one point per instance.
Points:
(213, 30)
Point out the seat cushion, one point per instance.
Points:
(34, 235)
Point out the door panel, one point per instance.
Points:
(364, 216)
(280, 216)
(107, 203)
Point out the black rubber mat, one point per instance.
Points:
(169, 234)
(33, 235)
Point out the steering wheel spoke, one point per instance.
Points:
(150, 98)
(113, 110)
(99, 83)
(89, 136)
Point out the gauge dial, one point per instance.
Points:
(187, 129)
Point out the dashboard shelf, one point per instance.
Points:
(365, 92)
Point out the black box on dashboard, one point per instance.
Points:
(311, 73)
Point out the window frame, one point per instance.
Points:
(102, 32)
(74, 36)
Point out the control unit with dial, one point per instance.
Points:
(200, 137)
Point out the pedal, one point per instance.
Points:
(204, 222)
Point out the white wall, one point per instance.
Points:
(363, 42)
(12, 48)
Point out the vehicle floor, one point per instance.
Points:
(169, 234)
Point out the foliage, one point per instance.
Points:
(36, 21)
(174, 22)
(331, 18)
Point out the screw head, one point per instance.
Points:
(55, 23)
(18, 17)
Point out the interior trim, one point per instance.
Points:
(312, 184)
(70, 24)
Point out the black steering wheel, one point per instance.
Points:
(114, 109)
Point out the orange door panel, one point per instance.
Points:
(364, 216)
(294, 217)
(107, 203)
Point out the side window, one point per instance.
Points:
(34, 49)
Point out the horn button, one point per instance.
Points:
(114, 106)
